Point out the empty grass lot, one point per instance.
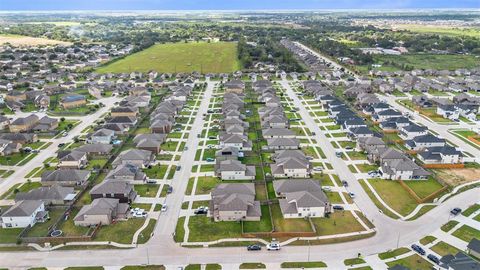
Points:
(394, 195)
(337, 223)
(442, 249)
(204, 229)
(412, 262)
(204, 57)
(423, 188)
(120, 232)
(466, 233)
(288, 225)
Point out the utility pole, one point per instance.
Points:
(398, 239)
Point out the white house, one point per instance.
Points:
(24, 214)
(235, 170)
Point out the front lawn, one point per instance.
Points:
(393, 253)
(303, 265)
(467, 233)
(206, 184)
(442, 249)
(412, 262)
(337, 223)
(9, 236)
(394, 195)
(204, 229)
(147, 190)
(120, 232)
(288, 225)
(424, 188)
(156, 172)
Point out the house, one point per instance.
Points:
(301, 198)
(4, 122)
(291, 164)
(72, 159)
(440, 155)
(67, 177)
(282, 144)
(46, 124)
(127, 172)
(161, 126)
(150, 142)
(8, 147)
(411, 131)
(72, 101)
(52, 195)
(460, 261)
(385, 115)
(101, 211)
(137, 157)
(235, 202)
(270, 133)
(125, 120)
(24, 214)
(228, 153)
(23, 124)
(234, 170)
(360, 132)
(103, 136)
(424, 141)
(240, 142)
(124, 111)
(114, 189)
(97, 149)
(234, 86)
(473, 247)
(403, 169)
(448, 111)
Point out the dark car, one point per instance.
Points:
(345, 183)
(179, 168)
(433, 258)
(455, 211)
(337, 207)
(418, 249)
(254, 247)
(169, 189)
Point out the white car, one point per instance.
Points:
(273, 246)
(140, 215)
(327, 188)
(351, 194)
(318, 169)
(164, 208)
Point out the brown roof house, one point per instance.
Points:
(301, 198)
(121, 190)
(137, 157)
(101, 211)
(23, 124)
(234, 202)
(67, 177)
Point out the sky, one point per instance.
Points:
(230, 4)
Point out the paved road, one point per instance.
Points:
(50, 151)
(162, 250)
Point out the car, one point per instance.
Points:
(200, 212)
(169, 189)
(313, 133)
(338, 154)
(348, 148)
(338, 207)
(418, 249)
(140, 215)
(178, 168)
(345, 183)
(327, 188)
(273, 246)
(61, 145)
(318, 168)
(185, 148)
(254, 247)
(351, 194)
(64, 134)
(164, 208)
(210, 159)
(151, 181)
(455, 211)
(433, 258)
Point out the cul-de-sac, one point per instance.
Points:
(238, 135)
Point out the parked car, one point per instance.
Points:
(318, 168)
(140, 215)
(338, 207)
(455, 211)
(254, 247)
(351, 194)
(433, 258)
(418, 249)
(273, 246)
(210, 159)
(151, 181)
(61, 144)
(179, 168)
(345, 183)
(169, 189)
(164, 208)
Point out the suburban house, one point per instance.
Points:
(459, 261)
(234, 86)
(301, 198)
(113, 189)
(23, 214)
(448, 110)
(72, 159)
(282, 144)
(411, 131)
(137, 157)
(440, 155)
(270, 133)
(150, 142)
(235, 140)
(67, 177)
(97, 149)
(124, 111)
(291, 164)
(127, 172)
(473, 247)
(101, 211)
(227, 153)
(403, 169)
(234, 170)
(234, 202)
(23, 124)
(72, 101)
(52, 195)
(424, 141)
(8, 147)
(104, 136)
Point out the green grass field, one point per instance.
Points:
(180, 57)
(435, 29)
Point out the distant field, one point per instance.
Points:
(425, 61)
(19, 41)
(441, 30)
(63, 23)
(204, 57)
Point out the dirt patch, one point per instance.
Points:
(19, 41)
(454, 177)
